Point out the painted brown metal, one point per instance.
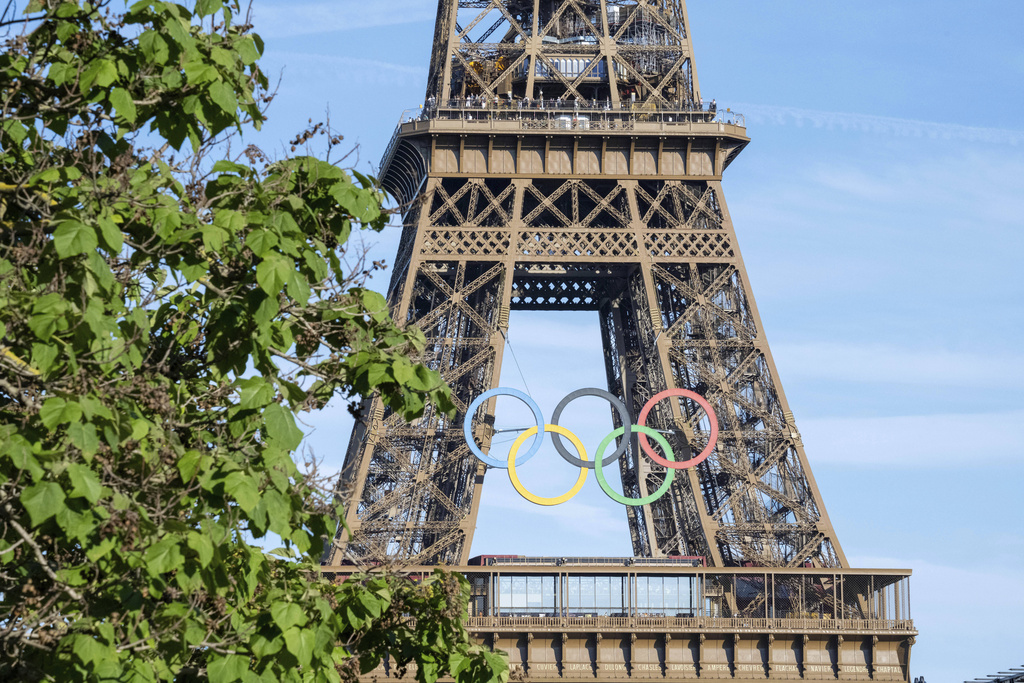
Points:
(606, 195)
(808, 624)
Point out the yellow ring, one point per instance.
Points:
(577, 444)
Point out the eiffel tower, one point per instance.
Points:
(565, 160)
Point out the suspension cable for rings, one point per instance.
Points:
(516, 361)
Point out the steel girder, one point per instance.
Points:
(610, 49)
(628, 220)
(477, 247)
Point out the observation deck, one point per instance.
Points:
(515, 139)
(675, 620)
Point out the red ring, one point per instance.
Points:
(685, 464)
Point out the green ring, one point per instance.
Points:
(618, 497)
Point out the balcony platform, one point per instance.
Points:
(675, 620)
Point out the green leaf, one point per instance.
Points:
(188, 465)
(86, 483)
(256, 392)
(457, 661)
(111, 234)
(198, 71)
(20, 452)
(223, 95)
(123, 103)
(43, 357)
(372, 604)
(84, 437)
(205, 8)
(280, 426)
(214, 237)
(16, 130)
(77, 525)
(247, 50)
(163, 557)
(300, 642)
(203, 545)
(298, 287)
(260, 241)
(154, 48)
(101, 72)
(373, 302)
(223, 57)
(89, 649)
(225, 166)
(101, 549)
(42, 501)
(278, 510)
(272, 273)
(242, 487)
(74, 237)
(287, 614)
(56, 411)
(227, 668)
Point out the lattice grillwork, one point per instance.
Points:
(465, 242)
(576, 243)
(575, 203)
(688, 244)
(539, 293)
(473, 202)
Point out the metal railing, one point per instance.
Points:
(689, 623)
(558, 115)
(585, 112)
(499, 560)
(408, 115)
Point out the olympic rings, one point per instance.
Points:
(555, 429)
(467, 430)
(600, 393)
(618, 497)
(712, 440)
(599, 462)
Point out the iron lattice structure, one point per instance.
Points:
(564, 160)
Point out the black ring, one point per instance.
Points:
(627, 420)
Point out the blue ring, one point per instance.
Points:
(468, 424)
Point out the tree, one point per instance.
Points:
(167, 306)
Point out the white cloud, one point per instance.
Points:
(280, 20)
(885, 364)
(950, 440)
(886, 125)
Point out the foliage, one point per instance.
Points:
(164, 315)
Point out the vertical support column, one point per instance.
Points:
(417, 485)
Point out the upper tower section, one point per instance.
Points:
(578, 88)
(599, 51)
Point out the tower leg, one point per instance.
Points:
(689, 322)
(411, 490)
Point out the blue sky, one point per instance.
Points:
(880, 209)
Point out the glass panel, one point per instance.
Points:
(656, 595)
(573, 594)
(588, 594)
(548, 593)
(604, 601)
(505, 595)
(533, 596)
(688, 588)
(518, 592)
(672, 595)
